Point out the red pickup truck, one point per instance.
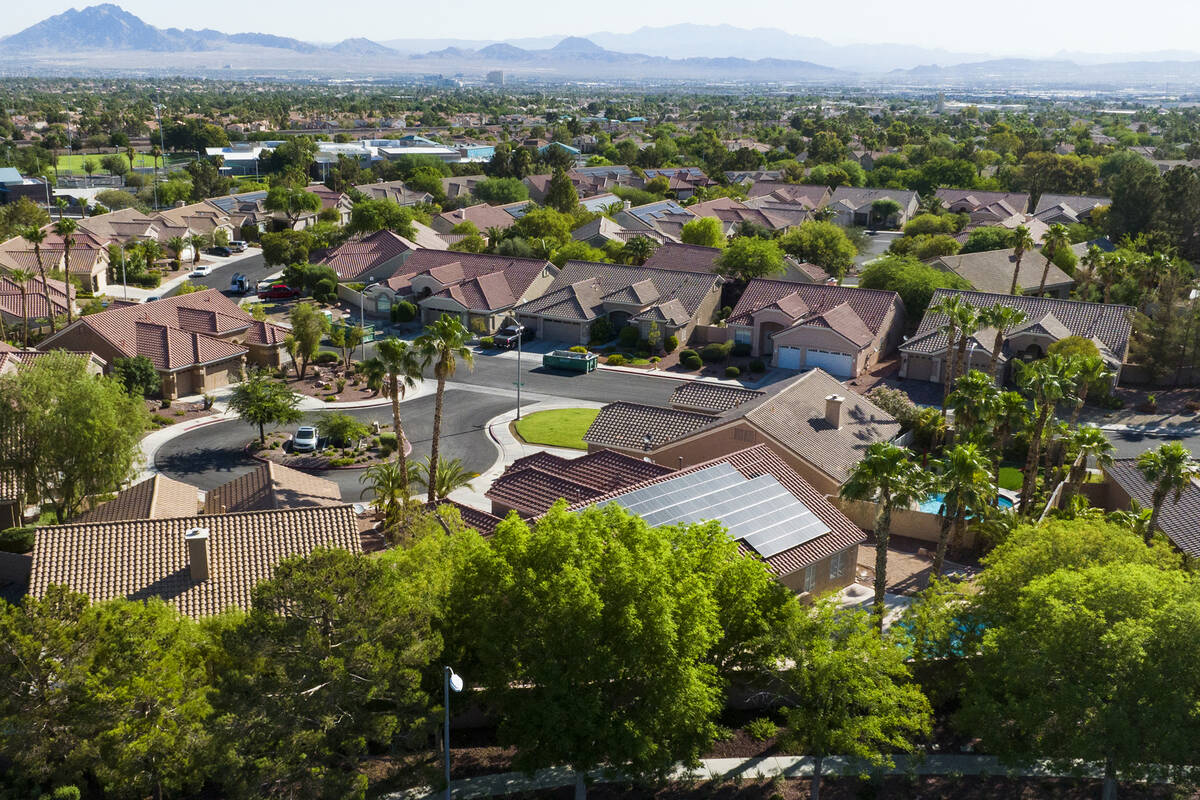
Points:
(278, 291)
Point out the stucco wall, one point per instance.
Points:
(905, 522)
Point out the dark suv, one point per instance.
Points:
(507, 337)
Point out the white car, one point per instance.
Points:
(305, 440)
(201, 271)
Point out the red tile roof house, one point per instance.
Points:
(696, 258)
(841, 329)
(674, 300)
(14, 309)
(338, 201)
(923, 356)
(366, 259)
(89, 257)
(481, 289)
(197, 342)
(483, 215)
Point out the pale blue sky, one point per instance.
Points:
(1023, 27)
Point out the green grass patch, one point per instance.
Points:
(560, 427)
(74, 161)
(1010, 478)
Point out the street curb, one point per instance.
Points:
(1168, 430)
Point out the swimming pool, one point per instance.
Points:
(931, 504)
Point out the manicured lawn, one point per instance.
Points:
(559, 427)
(74, 162)
(1010, 478)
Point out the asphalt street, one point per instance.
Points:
(223, 271)
(214, 454)
(1131, 443)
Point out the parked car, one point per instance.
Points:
(237, 246)
(220, 251)
(201, 271)
(509, 336)
(305, 440)
(151, 298)
(239, 283)
(278, 291)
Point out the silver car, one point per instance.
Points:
(305, 440)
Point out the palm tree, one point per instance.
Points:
(888, 476)
(61, 204)
(1086, 276)
(65, 228)
(1092, 371)
(36, 236)
(402, 365)
(442, 346)
(1136, 519)
(1089, 444)
(949, 305)
(22, 277)
(1009, 414)
(968, 326)
(1022, 242)
(1111, 269)
(374, 372)
(1171, 469)
(197, 241)
(973, 397)
(962, 474)
(1002, 318)
(1046, 381)
(449, 475)
(638, 250)
(177, 245)
(1056, 237)
(152, 251)
(388, 483)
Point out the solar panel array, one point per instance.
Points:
(759, 511)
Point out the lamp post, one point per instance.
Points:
(455, 682)
(520, 336)
(362, 316)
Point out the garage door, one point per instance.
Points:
(561, 331)
(839, 365)
(790, 357)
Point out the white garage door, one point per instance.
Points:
(789, 357)
(839, 365)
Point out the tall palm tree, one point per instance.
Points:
(61, 204)
(1001, 318)
(442, 346)
(973, 399)
(66, 228)
(402, 365)
(152, 251)
(1022, 243)
(22, 277)
(962, 474)
(1045, 381)
(197, 241)
(968, 326)
(1088, 443)
(1111, 269)
(888, 476)
(1053, 240)
(1091, 371)
(374, 372)
(1084, 277)
(177, 245)
(1171, 469)
(449, 475)
(36, 236)
(949, 305)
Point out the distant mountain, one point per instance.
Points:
(502, 52)
(266, 40)
(1034, 72)
(105, 26)
(361, 47)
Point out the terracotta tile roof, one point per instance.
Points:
(856, 197)
(35, 302)
(481, 521)
(808, 196)
(532, 484)
(271, 486)
(844, 320)
(713, 398)
(139, 559)
(1179, 522)
(358, 257)
(972, 199)
(569, 296)
(1110, 324)
(157, 497)
(478, 281)
(686, 257)
(483, 215)
(752, 463)
(625, 426)
(870, 305)
(992, 271)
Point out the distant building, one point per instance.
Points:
(496, 77)
(14, 186)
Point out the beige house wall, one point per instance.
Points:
(905, 521)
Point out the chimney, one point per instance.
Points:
(197, 545)
(833, 410)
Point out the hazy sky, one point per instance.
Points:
(1022, 27)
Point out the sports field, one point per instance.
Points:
(74, 162)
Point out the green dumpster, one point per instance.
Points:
(567, 360)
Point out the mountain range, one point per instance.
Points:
(106, 38)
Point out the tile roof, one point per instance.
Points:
(625, 425)
(578, 290)
(870, 305)
(974, 198)
(1179, 522)
(478, 281)
(35, 301)
(713, 398)
(992, 270)
(483, 215)
(358, 257)
(139, 559)
(856, 197)
(481, 521)
(534, 483)
(1110, 324)
(806, 195)
(686, 257)
(757, 461)
(1079, 204)
(271, 486)
(157, 497)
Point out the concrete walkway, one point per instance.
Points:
(735, 769)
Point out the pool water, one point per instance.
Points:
(931, 504)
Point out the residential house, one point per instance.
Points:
(28, 298)
(1047, 320)
(682, 182)
(367, 259)
(753, 175)
(483, 215)
(1067, 209)
(395, 191)
(481, 289)
(156, 497)
(201, 565)
(461, 185)
(602, 230)
(664, 216)
(270, 487)
(732, 214)
(990, 206)
(673, 300)
(856, 206)
(531, 485)
(841, 329)
(130, 225)
(88, 262)
(780, 191)
(337, 202)
(197, 342)
(992, 271)
(696, 258)
(1179, 519)
(814, 423)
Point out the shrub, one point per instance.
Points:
(388, 443)
(716, 352)
(691, 361)
(629, 336)
(757, 365)
(17, 540)
(326, 357)
(601, 330)
(404, 311)
(616, 360)
(341, 429)
(341, 462)
(732, 372)
(578, 349)
(740, 348)
(341, 384)
(330, 398)
(655, 359)
(642, 354)
(896, 403)
(325, 291)
(487, 341)
(761, 729)
(670, 343)
(687, 352)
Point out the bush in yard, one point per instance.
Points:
(616, 360)
(741, 349)
(487, 341)
(670, 343)
(325, 291)
(388, 443)
(761, 729)
(896, 403)
(757, 365)
(691, 360)
(17, 540)
(578, 349)
(326, 357)
(732, 372)
(716, 352)
(404, 311)
(629, 336)
(601, 330)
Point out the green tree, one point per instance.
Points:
(177, 244)
(887, 477)
(65, 230)
(1171, 469)
(308, 326)
(137, 375)
(882, 211)
(705, 232)
(341, 429)
(637, 250)
(577, 251)
(1091, 374)
(442, 346)
(1000, 318)
(1046, 382)
(499, 191)
(1022, 243)
(292, 202)
(822, 243)
(826, 147)
(387, 483)
(963, 478)
(957, 312)
(1090, 446)
(913, 281)
(848, 691)
(987, 237)
(1055, 239)
(261, 400)
(207, 180)
(37, 237)
(83, 432)
(370, 215)
(561, 194)
(749, 257)
(449, 476)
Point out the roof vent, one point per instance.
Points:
(197, 545)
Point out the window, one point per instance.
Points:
(810, 578)
(742, 335)
(836, 565)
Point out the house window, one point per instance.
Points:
(810, 578)
(742, 335)
(836, 565)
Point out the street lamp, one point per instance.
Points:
(455, 682)
(362, 316)
(520, 336)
